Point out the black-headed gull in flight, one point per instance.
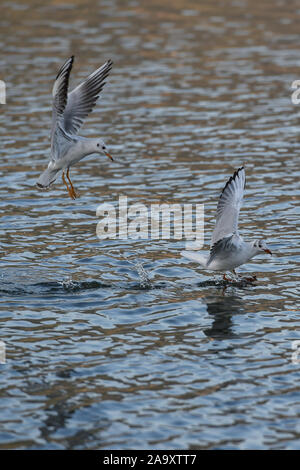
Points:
(69, 111)
(228, 250)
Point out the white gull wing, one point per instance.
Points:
(229, 207)
(83, 98)
(60, 97)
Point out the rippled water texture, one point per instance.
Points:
(123, 343)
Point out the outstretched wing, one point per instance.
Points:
(60, 89)
(84, 97)
(229, 207)
(60, 97)
(225, 248)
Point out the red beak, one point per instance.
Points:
(109, 156)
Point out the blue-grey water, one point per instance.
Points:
(124, 343)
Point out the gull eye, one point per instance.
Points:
(103, 148)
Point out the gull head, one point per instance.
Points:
(260, 245)
(101, 148)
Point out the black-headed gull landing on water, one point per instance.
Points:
(69, 110)
(228, 250)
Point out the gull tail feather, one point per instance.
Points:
(194, 256)
(46, 178)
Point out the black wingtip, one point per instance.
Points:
(109, 64)
(63, 66)
(237, 172)
(41, 186)
(232, 178)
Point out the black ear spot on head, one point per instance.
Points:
(98, 145)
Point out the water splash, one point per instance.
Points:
(145, 282)
(69, 284)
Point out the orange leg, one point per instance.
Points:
(69, 189)
(72, 187)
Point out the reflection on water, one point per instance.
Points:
(123, 343)
(222, 308)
